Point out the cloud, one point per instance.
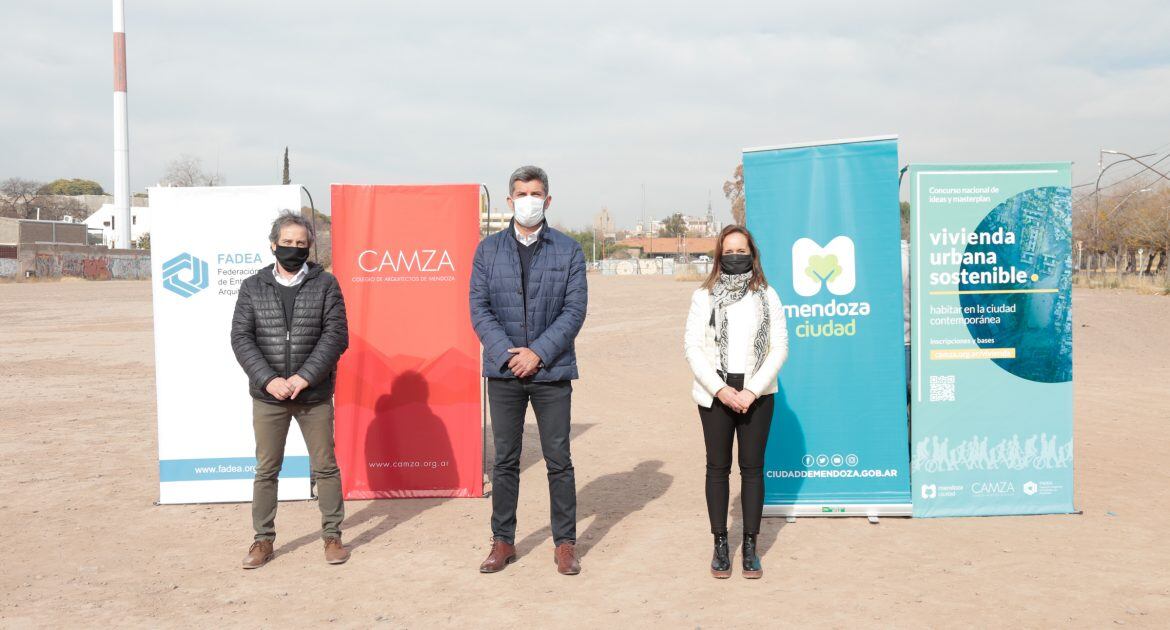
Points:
(607, 97)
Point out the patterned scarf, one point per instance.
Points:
(729, 289)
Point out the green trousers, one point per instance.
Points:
(270, 422)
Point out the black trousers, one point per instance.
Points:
(720, 426)
(508, 399)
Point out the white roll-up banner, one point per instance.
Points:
(204, 243)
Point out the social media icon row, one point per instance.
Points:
(836, 459)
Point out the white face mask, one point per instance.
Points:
(529, 211)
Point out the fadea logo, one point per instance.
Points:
(1030, 488)
(833, 266)
(173, 271)
(929, 491)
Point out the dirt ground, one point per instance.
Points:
(85, 545)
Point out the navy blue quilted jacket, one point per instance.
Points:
(557, 297)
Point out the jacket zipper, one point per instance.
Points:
(288, 341)
(527, 283)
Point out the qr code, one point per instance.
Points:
(942, 388)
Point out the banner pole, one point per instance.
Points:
(483, 382)
(313, 218)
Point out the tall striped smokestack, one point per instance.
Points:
(121, 132)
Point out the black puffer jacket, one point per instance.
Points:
(267, 348)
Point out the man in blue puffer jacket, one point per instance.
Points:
(528, 299)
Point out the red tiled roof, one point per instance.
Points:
(672, 245)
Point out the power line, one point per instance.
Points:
(1140, 170)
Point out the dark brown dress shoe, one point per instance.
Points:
(501, 555)
(335, 552)
(258, 554)
(566, 559)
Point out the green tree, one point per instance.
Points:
(284, 179)
(674, 225)
(72, 187)
(585, 238)
(904, 211)
(143, 241)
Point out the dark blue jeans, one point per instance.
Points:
(508, 400)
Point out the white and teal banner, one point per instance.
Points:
(825, 216)
(204, 243)
(991, 318)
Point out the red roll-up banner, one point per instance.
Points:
(409, 402)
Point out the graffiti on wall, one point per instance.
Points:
(89, 266)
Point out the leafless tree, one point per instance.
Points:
(18, 197)
(1127, 230)
(187, 170)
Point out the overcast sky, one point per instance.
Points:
(606, 96)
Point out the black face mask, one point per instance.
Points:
(735, 264)
(291, 258)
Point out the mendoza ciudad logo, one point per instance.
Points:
(815, 268)
(184, 275)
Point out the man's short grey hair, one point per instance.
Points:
(286, 218)
(527, 174)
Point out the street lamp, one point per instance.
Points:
(1146, 166)
(1115, 208)
(1101, 173)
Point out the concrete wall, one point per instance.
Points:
(9, 231)
(78, 261)
(652, 267)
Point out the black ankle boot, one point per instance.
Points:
(721, 559)
(751, 562)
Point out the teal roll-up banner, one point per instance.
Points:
(992, 339)
(825, 216)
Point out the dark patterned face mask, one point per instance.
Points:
(735, 264)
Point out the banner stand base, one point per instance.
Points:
(870, 511)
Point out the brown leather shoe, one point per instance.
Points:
(258, 554)
(335, 552)
(566, 558)
(501, 555)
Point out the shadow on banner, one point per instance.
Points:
(409, 409)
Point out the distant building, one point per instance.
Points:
(603, 224)
(652, 228)
(677, 247)
(696, 227)
(105, 220)
(93, 203)
(703, 226)
(16, 234)
(494, 221)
